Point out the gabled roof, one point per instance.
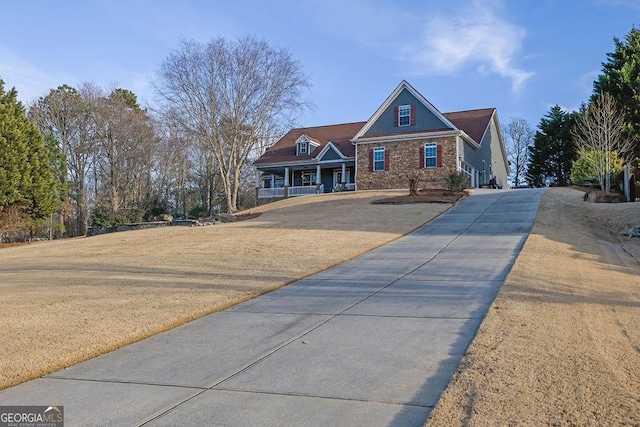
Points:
(404, 85)
(329, 146)
(284, 151)
(472, 122)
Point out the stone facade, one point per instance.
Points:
(404, 161)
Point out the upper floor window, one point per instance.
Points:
(302, 148)
(404, 115)
(430, 155)
(378, 159)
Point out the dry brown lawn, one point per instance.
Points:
(561, 343)
(69, 300)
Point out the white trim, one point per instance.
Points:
(326, 148)
(400, 107)
(410, 136)
(373, 166)
(469, 139)
(431, 144)
(387, 103)
(304, 138)
(298, 163)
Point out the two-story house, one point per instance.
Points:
(406, 136)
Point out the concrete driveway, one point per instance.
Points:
(372, 342)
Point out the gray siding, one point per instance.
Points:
(491, 152)
(331, 155)
(425, 119)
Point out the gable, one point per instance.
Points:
(425, 119)
(329, 153)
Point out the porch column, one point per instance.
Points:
(344, 176)
(318, 179)
(286, 182)
(257, 186)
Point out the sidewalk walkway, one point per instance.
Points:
(373, 341)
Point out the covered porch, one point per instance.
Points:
(301, 180)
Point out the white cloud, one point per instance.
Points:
(477, 37)
(585, 82)
(437, 39)
(30, 81)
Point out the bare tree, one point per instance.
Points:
(126, 142)
(519, 136)
(599, 132)
(64, 115)
(230, 95)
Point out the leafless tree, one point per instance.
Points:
(126, 142)
(231, 95)
(599, 131)
(519, 136)
(64, 114)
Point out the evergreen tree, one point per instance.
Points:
(26, 178)
(620, 78)
(553, 151)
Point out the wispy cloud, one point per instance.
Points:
(30, 81)
(432, 39)
(475, 37)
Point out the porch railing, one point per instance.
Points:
(272, 193)
(305, 190)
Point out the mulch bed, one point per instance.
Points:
(423, 196)
(596, 195)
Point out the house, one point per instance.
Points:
(406, 136)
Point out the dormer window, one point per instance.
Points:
(305, 146)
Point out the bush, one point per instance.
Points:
(104, 218)
(583, 171)
(456, 182)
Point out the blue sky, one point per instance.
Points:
(520, 56)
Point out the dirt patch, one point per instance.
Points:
(423, 196)
(561, 343)
(69, 300)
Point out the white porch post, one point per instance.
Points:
(257, 186)
(286, 182)
(318, 179)
(344, 174)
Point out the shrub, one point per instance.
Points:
(456, 182)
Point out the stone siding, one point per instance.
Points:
(404, 160)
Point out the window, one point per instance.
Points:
(378, 159)
(404, 115)
(430, 155)
(302, 148)
(308, 178)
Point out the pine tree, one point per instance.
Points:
(553, 151)
(620, 78)
(26, 180)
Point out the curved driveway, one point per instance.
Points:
(372, 341)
